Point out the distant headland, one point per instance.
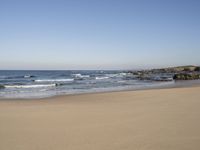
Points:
(189, 72)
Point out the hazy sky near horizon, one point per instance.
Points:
(99, 34)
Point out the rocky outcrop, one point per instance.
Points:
(197, 69)
(186, 76)
(169, 74)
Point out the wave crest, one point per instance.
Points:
(101, 78)
(54, 80)
(30, 86)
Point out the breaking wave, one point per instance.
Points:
(54, 80)
(30, 86)
(78, 75)
(101, 78)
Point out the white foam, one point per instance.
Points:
(78, 75)
(101, 78)
(111, 75)
(27, 76)
(55, 80)
(122, 74)
(30, 86)
(85, 76)
(118, 75)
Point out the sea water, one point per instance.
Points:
(39, 84)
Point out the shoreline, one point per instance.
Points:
(182, 84)
(96, 93)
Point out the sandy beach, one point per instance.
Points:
(160, 119)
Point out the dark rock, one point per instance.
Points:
(177, 73)
(186, 76)
(197, 69)
(2, 86)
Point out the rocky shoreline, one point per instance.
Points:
(168, 74)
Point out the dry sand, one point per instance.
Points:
(167, 119)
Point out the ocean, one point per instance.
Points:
(40, 84)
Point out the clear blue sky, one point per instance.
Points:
(99, 34)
